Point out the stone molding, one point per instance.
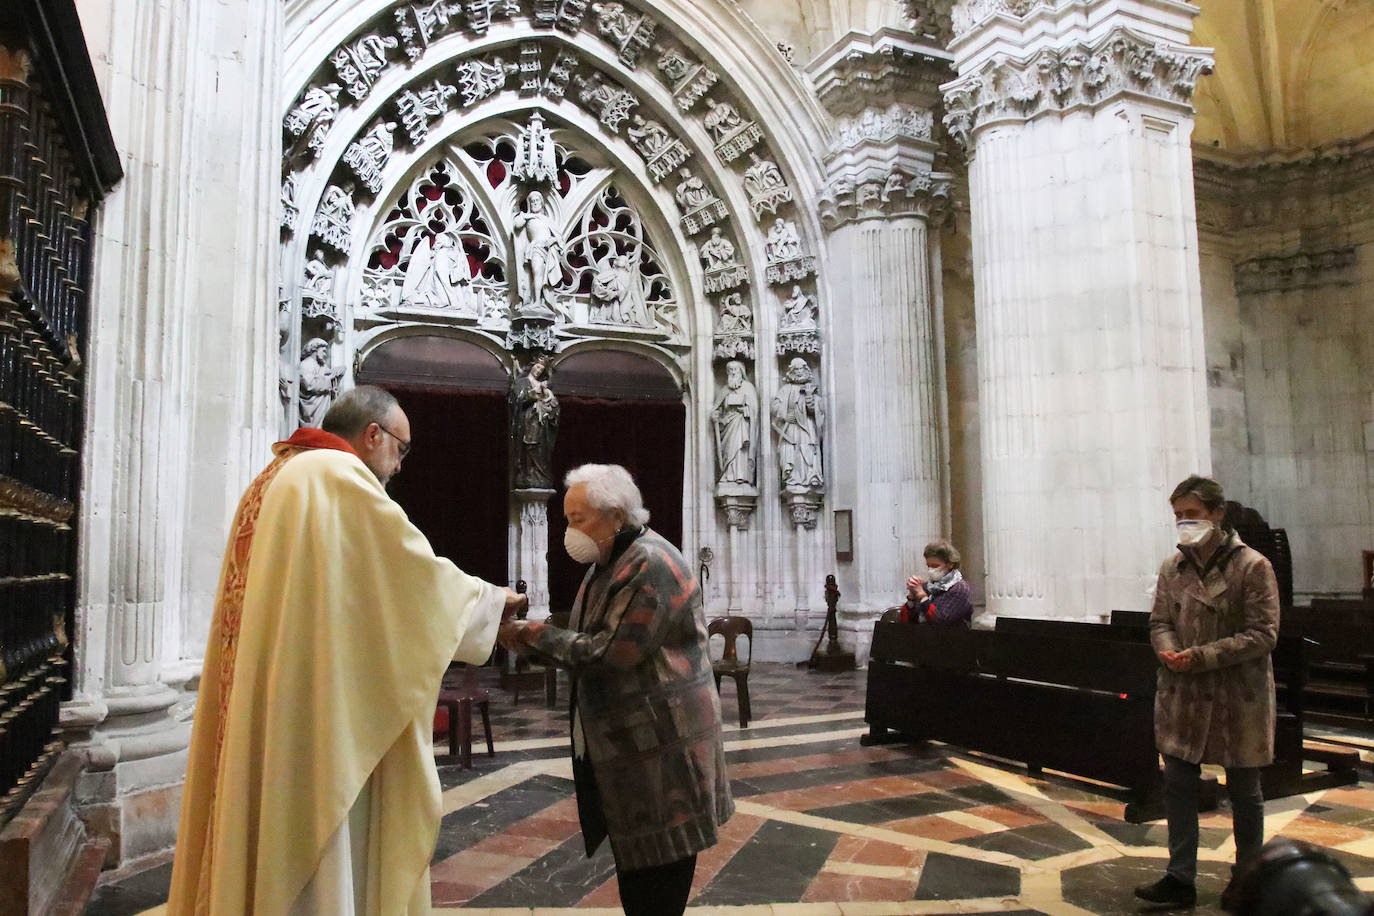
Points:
(1311, 193)
(932, 19)
(887, 67)
(1300, 270)
(1122, 63)
(965, 15)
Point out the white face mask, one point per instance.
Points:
(936, 573)
(580, 546)
(1193, 531)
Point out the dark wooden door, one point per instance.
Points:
(647, 437)
(454, 483)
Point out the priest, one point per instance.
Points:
(310, 784)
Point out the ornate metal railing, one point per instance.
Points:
(46, 193)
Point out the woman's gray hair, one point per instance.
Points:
(943, 551)
(610, 488)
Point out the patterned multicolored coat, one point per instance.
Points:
(646, 700)
(1222, 710)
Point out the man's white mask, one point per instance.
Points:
(1193, 531)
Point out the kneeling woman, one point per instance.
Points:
(942, 596)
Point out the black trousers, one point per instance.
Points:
(658, 891)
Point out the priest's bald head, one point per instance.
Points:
(369, 419)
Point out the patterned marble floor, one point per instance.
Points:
(824, 826)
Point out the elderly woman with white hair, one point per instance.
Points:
(648, 761)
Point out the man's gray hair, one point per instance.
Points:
(357, 409)
(610, 488)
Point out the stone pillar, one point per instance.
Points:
(807, 575)
(530, 550)
(1077, 122)
(739, 509)
(883, 206)
(181, 368)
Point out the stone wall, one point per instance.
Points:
(1288, 287)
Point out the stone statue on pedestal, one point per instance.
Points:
(538, 257)
(735, 422)
(799, 419)
(318, 384)
(534, 426)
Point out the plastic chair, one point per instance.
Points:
(458, 700)
(729, 664)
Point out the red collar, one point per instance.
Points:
(307, 437)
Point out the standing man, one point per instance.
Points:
(310, 784)
(1214, 622)
(648, 762)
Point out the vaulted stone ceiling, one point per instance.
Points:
(1290, 74)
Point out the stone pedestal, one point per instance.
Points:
(804, 510)
(1077, 121)
(529, 552)
(738, 502)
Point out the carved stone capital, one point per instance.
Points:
(737, 501)
(1121, 63)
(878, 194)
(804, 509)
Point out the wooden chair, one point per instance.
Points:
(458, 700)
(729, 664)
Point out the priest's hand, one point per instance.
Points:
(515, 604)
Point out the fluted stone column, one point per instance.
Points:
(885, 196)
(1077, 122)
(181, 382)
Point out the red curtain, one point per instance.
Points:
(648, 438)
(453, 485)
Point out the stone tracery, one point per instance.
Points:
(461, 270)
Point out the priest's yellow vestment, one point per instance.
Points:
(333, 626)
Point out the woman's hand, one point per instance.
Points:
(508, 635)
(1177, 661)
(915, 589)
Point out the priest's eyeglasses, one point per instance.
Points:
(402, 444)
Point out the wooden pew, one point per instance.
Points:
(1081, 706)
(1340, 688)
(1073, 697)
